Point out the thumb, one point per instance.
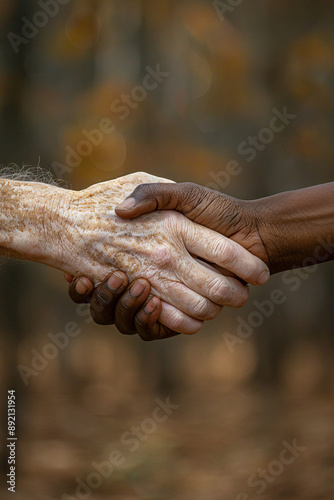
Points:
(149, 197)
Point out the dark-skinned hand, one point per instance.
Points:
(236, 219)
(127, 306)
(219, 212)
(282, 230)
(286, 231)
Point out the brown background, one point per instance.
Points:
(235, 409)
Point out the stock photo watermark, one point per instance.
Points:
(266, 476)
(251, 147)
(57, 343)
(265, 309)
(40, 19)
(129, 442)
(11, 440)
(122, 107)
(40, 358)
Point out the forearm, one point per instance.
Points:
(30, 221)
(297, 227)
(73, 231)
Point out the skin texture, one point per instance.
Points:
(79, 233)
(287, 231)
(132, 313)
(283, 230)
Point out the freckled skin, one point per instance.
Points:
(101, 241)
(63, 227)
(149, 246)
(79, 233)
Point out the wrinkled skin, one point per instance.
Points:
(131, 312)
(237, 219)
(287, 230)
(159, 248)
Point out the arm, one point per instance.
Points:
(297, 227)
(286, 230)
(29, 221)
(78, 232)
(30, 218)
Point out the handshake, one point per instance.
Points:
(158, 258)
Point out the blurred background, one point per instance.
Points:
(220, 70)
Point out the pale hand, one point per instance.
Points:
(83, 236)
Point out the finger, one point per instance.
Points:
(80, 289)
(189, 198)
(178, 321)
(105, 297)
(129, 304)
(147, 324)
(186, 294)
(227, 254)
(69, 278)
(211, 286)
(149, 197)
(219, 269)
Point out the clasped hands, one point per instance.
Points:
(158, 273)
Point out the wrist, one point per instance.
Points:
(31, 221)
(293, 224)
(53, 246)
(271, 230)
(245, 225)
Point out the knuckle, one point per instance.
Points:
(176, 321)
(190, 189)
(181, 323)
(231, 294)
(224, 252)
(143, 190)
(205, 310)
(201, 309)
(192, 193)
(103, 295)
(220, 291)
(174, 223)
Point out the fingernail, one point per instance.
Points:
(115, 282)
(126, 204)
(263, 278)
(81, 288)
(150, 306)
(137, 289)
